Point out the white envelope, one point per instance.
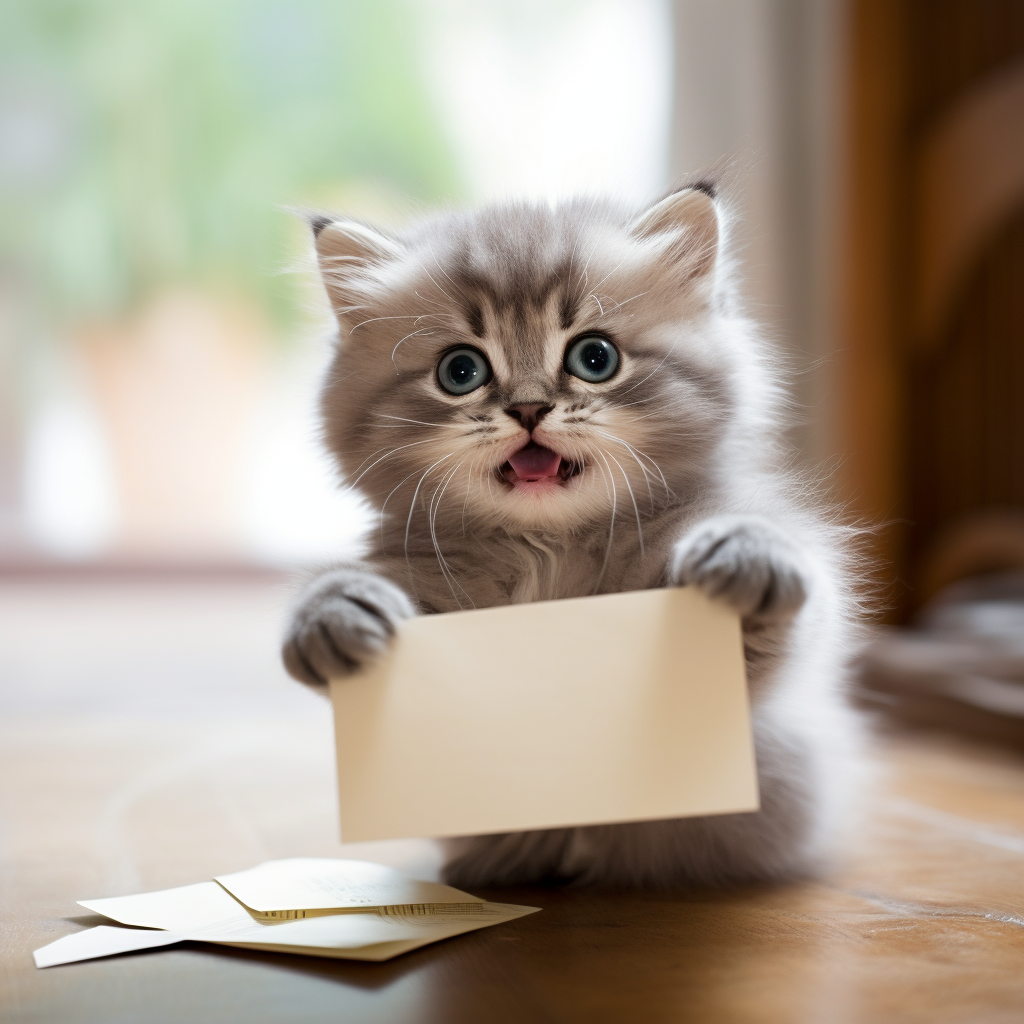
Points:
(325, 922)
(302, 887)
(621, 707)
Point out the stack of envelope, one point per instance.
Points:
(350, 909)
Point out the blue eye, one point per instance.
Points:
(463, 370)
(592, 358)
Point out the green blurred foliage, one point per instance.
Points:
(146, 144)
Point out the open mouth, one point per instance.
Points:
(536, 464)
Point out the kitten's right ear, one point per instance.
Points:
(345, 251)
(688, 221)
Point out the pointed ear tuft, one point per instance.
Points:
(318, 222)
(709, 188)
(688, 220)
(345, 251)
(338, 240)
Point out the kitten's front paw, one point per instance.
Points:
(344, 619)
(747, 562)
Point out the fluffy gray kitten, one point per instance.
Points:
(548, 403)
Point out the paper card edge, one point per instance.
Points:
(740, 808)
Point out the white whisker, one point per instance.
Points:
(625, 480)
(611, 524)
(374, 319)
(619, 305)
(384, 505)
(643, 469)
(415, 495)
(435, 505)
(637, 452)
(411, 334)
(650, 375)
(422, 423)
(609, 274)
(394, 451)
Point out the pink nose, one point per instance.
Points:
(529, 413)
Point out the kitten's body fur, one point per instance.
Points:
(682, 481)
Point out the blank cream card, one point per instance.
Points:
(620, 707)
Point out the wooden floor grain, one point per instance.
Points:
(149, 740)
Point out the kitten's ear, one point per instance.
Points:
(688, 222)
(345, 251)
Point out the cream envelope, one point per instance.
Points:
(207, 912)
(621, 707)
(301, 887)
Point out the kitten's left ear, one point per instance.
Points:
(688, 222)
(345, 251)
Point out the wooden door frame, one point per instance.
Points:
(873, 280)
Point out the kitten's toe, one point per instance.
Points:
(344, 620)
(747, 562)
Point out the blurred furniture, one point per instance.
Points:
(177, 390)
(962, 665)
(149, 739)
(930, 372)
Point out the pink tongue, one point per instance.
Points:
(535, 462)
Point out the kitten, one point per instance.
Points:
(548, 403)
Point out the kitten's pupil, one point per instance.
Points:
(595, 358)
(461, 370)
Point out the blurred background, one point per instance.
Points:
(161, 335)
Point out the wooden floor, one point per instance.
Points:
(149, 740)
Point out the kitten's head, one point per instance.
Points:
(529, 369)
